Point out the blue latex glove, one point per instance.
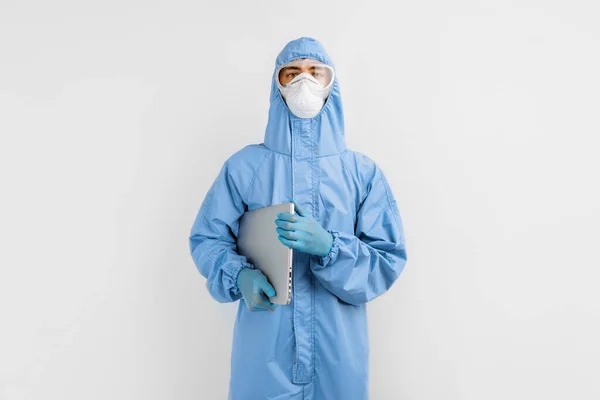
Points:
(302, 232)
(253, 285)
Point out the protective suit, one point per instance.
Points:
(317, 347)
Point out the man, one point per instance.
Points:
(347, 238)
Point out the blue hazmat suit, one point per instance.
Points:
(317, 347)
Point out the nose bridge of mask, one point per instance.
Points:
(305, 76)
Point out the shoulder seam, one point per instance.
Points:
(389, 197)
(256, 174)
(345, 166)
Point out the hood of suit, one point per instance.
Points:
(327, 126)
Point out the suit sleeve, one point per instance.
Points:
(364, 265)
(212, 240)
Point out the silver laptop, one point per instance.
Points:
(257, 241)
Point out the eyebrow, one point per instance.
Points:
(290, 67)
(296, 68)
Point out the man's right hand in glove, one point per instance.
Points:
(255, 288)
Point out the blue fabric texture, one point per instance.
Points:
(317, 347)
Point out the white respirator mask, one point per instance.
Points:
(306, 93)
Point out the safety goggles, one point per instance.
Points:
(321, 72)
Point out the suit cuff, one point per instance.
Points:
(326, 260)
(235, 272)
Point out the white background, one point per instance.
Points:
(116, 116)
